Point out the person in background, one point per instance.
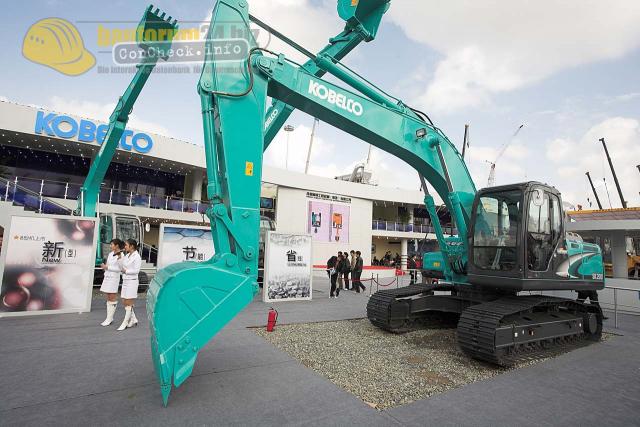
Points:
(332, 269)
(375, 261)
(111, 279)
(332, 261)
(352, 264)
(357, 272)
(387, 258)
(347, 269)
(412, 265)
(130, 266)
(339, 270)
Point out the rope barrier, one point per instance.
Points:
(388, 284)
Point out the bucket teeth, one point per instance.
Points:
(156, 22)
(159, 15)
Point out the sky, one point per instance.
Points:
(567, 71)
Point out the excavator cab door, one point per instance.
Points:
(495, 249)
(544, 234)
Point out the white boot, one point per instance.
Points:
(127, 318)
(111, 311)
(134, 320)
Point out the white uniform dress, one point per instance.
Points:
(132, 263)
(111, 279)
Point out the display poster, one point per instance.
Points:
(339, 223)
(49, 263)
(328, 222)
(288, 267)
(319, 221)
(178, 243)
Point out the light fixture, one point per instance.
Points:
(421, 133)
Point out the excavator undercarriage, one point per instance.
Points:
(498, 328)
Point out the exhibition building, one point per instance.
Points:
(45, 156)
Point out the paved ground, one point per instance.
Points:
(68, 370)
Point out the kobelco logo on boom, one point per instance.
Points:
(335, 98)
(271, 118)
(67, 127)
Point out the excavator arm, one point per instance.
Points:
(188, 303)
(362, 21)
(153, 30)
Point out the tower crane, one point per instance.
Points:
(492, 172)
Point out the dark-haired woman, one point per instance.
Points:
(130, 265)
(111, 279)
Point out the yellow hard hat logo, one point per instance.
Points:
(56, 43)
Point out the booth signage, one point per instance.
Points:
(48, 265)
(66, 127)
(288, 267)
(179, 243)
(328, 197)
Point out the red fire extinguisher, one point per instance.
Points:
(272, 318)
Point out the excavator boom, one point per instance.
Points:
(362, 21)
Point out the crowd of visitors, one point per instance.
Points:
(387, 260)
(339, 267)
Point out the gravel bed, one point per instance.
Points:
(381, 368)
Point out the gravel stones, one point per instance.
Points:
(381, 368)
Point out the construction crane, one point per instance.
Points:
(500, 250)
(313, 133)
(492, 171)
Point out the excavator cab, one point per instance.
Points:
(517, 242)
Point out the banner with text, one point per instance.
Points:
(48, 265)
(288, 267)
(178, 243)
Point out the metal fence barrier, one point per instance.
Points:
(616, 305)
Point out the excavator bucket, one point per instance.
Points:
(187, 304)
(155, 29)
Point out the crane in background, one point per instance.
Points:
(313, 133)
(492, 172)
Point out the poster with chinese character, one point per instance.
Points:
(288, 267)
(48, 265)
(178, 243)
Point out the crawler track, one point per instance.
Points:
(385, 311)
(513, 329)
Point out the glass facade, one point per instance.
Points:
(32, 166)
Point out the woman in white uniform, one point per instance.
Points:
(111, 279)
(130, 266)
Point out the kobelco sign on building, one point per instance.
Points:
(66, 127)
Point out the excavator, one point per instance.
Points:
(510, 239)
